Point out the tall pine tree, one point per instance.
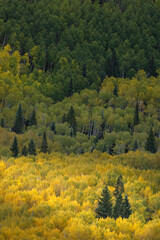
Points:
(24, 151)
(2, 122)
(126, 208)
(19, 122)
(14, 147)
(150, 143)
(136, 115)
(118, 208)
(119, 188)
(31, 148)
(71, 119)
(33, 120)
(44, 147)
(104, 208)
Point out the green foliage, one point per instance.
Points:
(118, 208)
(19, 122)
(136, 115)
(14, 147)
(33, 120)
(150, 143)
(2, 123)
(119, 188)
(104, 208)
(24, 151)
(31, 148)
(44, 146)
(126, 208)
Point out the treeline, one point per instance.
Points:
(77, 44)
(122, 116)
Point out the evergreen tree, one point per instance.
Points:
(115, 90)
(135, 145)
(119, 188)
(19, 122)
(70, 89)
(152, 66)
(2, 122)
(53, 127)
(104, 208)
(31, 148)
(118, 208)
(64, 118)
(136, 115)
(24, 151)
(14, 147)
(71, 119)
(150, 143)
(33, 120)
(44, 147)
(126, 208)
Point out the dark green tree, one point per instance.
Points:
(115, 90)
(31, 148)
(152, 66)
(119, 188)
(53, 127)
(24, 151)
(44, 147)
(118, 208)
(2, 123)
(70, 88)
(33, 120)
(150, 143)
(71, 119)
(64, 118)
(14, 147)
(84, 71)
(126, 208)
(104, 208)
(136, 115)
(135, 145)
(19, 122)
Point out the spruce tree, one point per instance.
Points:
(2, 122)
(119, 188)
(33, 120)
(115, 90)
(118, 208)
(104, 208)
(24, 151)
(19, 122)
(126, 208)
(31, 148)
(72, 120)
(135, 145)
(14, 147)
(150, 143)
(44, 147)
(136, 115)
(53, 127)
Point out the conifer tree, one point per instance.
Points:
(64, 118)
(31, 148)
(2, 122)
(115, 90)
(70, 89)
(44, 147)
(72, 120)
(33, 120)
(14, 147)
(53, 127)
(24, 151)
(104, 208)
(119, 188)
(135, 145)
(136, 115)
(118, 208)
(19, 122)
(150, 143)
(126, 208)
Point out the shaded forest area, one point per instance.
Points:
(79, 43)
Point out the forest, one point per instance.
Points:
(79, 119)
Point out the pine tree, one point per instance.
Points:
(31, 148)
(150, 143)
(2, 122)
(136, 115)
(24, 151)
(118, 208)
(71, 119)
(115, 90)
(64, 118)
(14, 147)
(152, 66)
(135, 145)
(119, 188)
(104, 208)
(53, 127)
(126, 208)
(19, 122)
(33, 120)
(44, 147)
